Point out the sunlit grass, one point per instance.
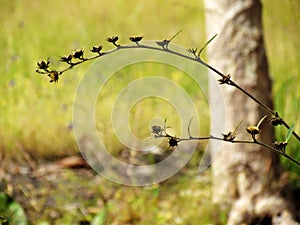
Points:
(38, 114)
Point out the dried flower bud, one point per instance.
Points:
(156, 129)
(280, 145)
(225, 79)
(136, 39)
(113, 40)
(97, 49)
(230, 136)
(54, 75)
(66, 58)
(78, 54)
(252, 130)
(163, 44)
(192, 50)
(173, 142)
(43, 65)
(276, 120)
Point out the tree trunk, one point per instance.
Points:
(245, 177)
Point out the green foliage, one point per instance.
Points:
(77, 197)
(289, 133)
(28, 109)
(100, 218)
(39, 116)
(281, 25)
(11, 212)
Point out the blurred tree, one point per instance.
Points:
(247, 178)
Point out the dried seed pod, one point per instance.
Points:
(43, 65)
(113, 40)
(280, 145)
(136, 39)
(276, 120)
(254, 130)
(225, 79)
(173, 142)
(66, 58)
(78, 54)
(54, 75)
(97, 49)
(156, 129)
(230, 136)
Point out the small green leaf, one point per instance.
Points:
(100, 218)
(289, 133)
(237, 126)
(155, 191)
(11, 211)
(174, 35)
(207, 43)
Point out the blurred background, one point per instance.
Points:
(36, 116)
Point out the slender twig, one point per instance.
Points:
(278, 152)
(231, 141)
(266, 108)
(43, 68)
(230, 82)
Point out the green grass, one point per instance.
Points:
(184, 199)
(38, 115)
(281, 23)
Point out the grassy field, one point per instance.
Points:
(38, 116)
(37, 113)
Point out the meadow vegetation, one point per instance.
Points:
(38, 115)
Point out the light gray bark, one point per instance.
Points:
(247, 177)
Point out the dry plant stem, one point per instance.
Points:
(234, 142)
(266, 108)
(277, 151)
(195, 58)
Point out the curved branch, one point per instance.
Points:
(43, 68)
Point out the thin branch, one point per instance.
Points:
(266, 108)
(278, 152)
(231, 141)
(43, 68)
